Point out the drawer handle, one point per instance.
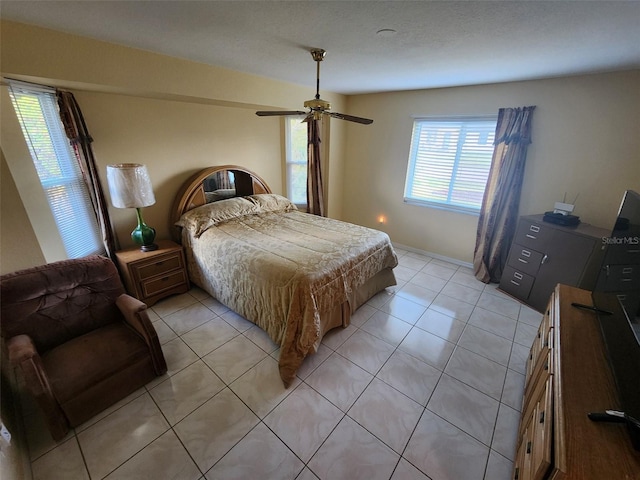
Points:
(633, 251)
(534, 228)
(157, 264)
(164, 279)
(544, 259)
(626, 279)
(541, 420)
(627, 270)
(516, 476)
(529, 447)
(515, 283)
(531, 236)
(517, 275)
(522, 261)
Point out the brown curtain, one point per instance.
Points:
(499, 212)
(223, 180)
(315, 196)
(76, 130)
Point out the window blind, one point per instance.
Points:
(449, 162)
(58, 170)
(296, 158)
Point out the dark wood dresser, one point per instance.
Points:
(544, 254)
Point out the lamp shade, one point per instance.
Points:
(130, 185)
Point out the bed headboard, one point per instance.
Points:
(212, 184)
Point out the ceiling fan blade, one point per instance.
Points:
(280, 113)
(350, 118)
(317, 106)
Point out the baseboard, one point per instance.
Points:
(434, 255)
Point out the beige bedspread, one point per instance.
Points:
(281, 268)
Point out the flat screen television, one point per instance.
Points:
(623, 350)
(621, 327)
(625, 240)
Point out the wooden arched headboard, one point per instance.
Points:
(196, 191)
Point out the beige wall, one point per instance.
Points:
(175, 116)
(586, 143)
(16, 233)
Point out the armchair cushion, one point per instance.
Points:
(84, 361)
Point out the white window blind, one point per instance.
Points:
(449, 162)
(296, 158)
(58, 169)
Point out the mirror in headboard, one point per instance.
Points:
(219, 185)
(213, 184)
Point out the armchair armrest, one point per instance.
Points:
(135, 315)
(22, 353)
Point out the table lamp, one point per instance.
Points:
(130, 187)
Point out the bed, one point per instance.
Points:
(293, 274)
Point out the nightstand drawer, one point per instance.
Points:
(152, 276)
(160, 265)
(166, 282)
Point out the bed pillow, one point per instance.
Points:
(198, 220)
(206, 216)
(272, 202)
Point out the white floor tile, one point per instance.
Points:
(372, 403)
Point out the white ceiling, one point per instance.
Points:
(436, 44)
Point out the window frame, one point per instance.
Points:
(412, 159)
(290, 162)
(79, 232)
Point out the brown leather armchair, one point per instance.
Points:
(81, 342)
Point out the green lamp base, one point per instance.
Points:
(144, 235)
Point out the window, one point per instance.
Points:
(58, 169)
(449, 162)
(296, 158)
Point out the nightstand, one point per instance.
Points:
(151, 276)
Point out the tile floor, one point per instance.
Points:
(426, 383)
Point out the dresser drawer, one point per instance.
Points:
(516, 282)
(522, 464)
(541, 437)
(631, 302)
(541, 373)
(621, 277)
(166, 282)
(533, 235)
(623, 254)
(524, 259)
(159, 265)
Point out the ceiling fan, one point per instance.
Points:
(317, 107)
